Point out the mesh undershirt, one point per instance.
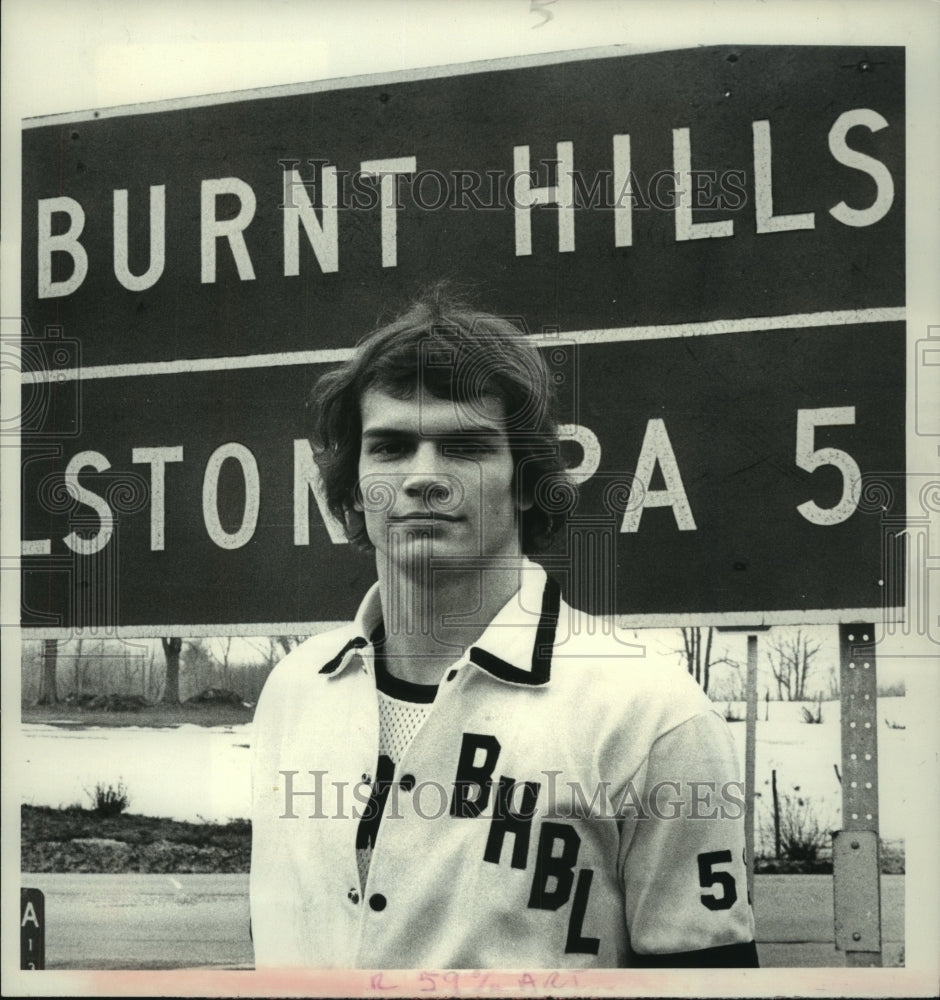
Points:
(399, 720)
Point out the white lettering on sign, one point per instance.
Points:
(767, 222)
(884, 195)
(686, 229)
(657, 448)
(323, 236)
(810, 458)
(524, 196)
(307, 480)
(388, 171)
(157, 458)
(88, 460)
(66, 242)
(29, 917)
(432, 191)
(122, 271)
(213, 229)
(590, 449)
(623, 192)
(210, 498)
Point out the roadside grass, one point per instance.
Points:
(891, 857)
(155, 716)
(74, 839)
(79, 840)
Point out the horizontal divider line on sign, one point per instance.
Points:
(749, 324)
(746, 619)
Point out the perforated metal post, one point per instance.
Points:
(855, 853)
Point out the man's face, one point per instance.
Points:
(436, 476)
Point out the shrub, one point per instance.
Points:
(109, 801)
(811, 717)
(896, 690)
(804, 837)
(892, 856)
(731, 714)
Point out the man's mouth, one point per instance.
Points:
(424, 516)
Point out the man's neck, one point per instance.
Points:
(431, 620)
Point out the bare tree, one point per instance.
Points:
(790, 656)
(835, 686)
(146, 675)
(726, 685)
(78, 670)
(48, 693)
(697, 652)
(198, 666)
(289, 642)
(171, 689)
(31, 671)
(272, 648)
(226, 654)
(276, 647)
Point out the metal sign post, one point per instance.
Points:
(750, 746)
(855, 849)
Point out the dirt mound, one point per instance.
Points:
(216, 696)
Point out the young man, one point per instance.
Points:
(472, 774)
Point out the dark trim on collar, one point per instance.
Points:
(548, 625)
(398, 687)
(356, 643)
(541, 647)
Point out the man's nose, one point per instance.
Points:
(427, 476)
(424, 469)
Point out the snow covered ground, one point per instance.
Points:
(188, 773)
(803, 756)
(197, 773)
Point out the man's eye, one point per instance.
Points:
(468, 449)
(387, 449)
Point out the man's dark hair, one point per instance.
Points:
(445, 347)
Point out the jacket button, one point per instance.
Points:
(378, 902)
(407, 782)
(366, 779)
(353, 896)
(452, 675)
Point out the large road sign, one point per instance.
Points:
(707, 244)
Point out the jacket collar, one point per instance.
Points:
(522, 631)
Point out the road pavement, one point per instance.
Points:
(201, 921)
